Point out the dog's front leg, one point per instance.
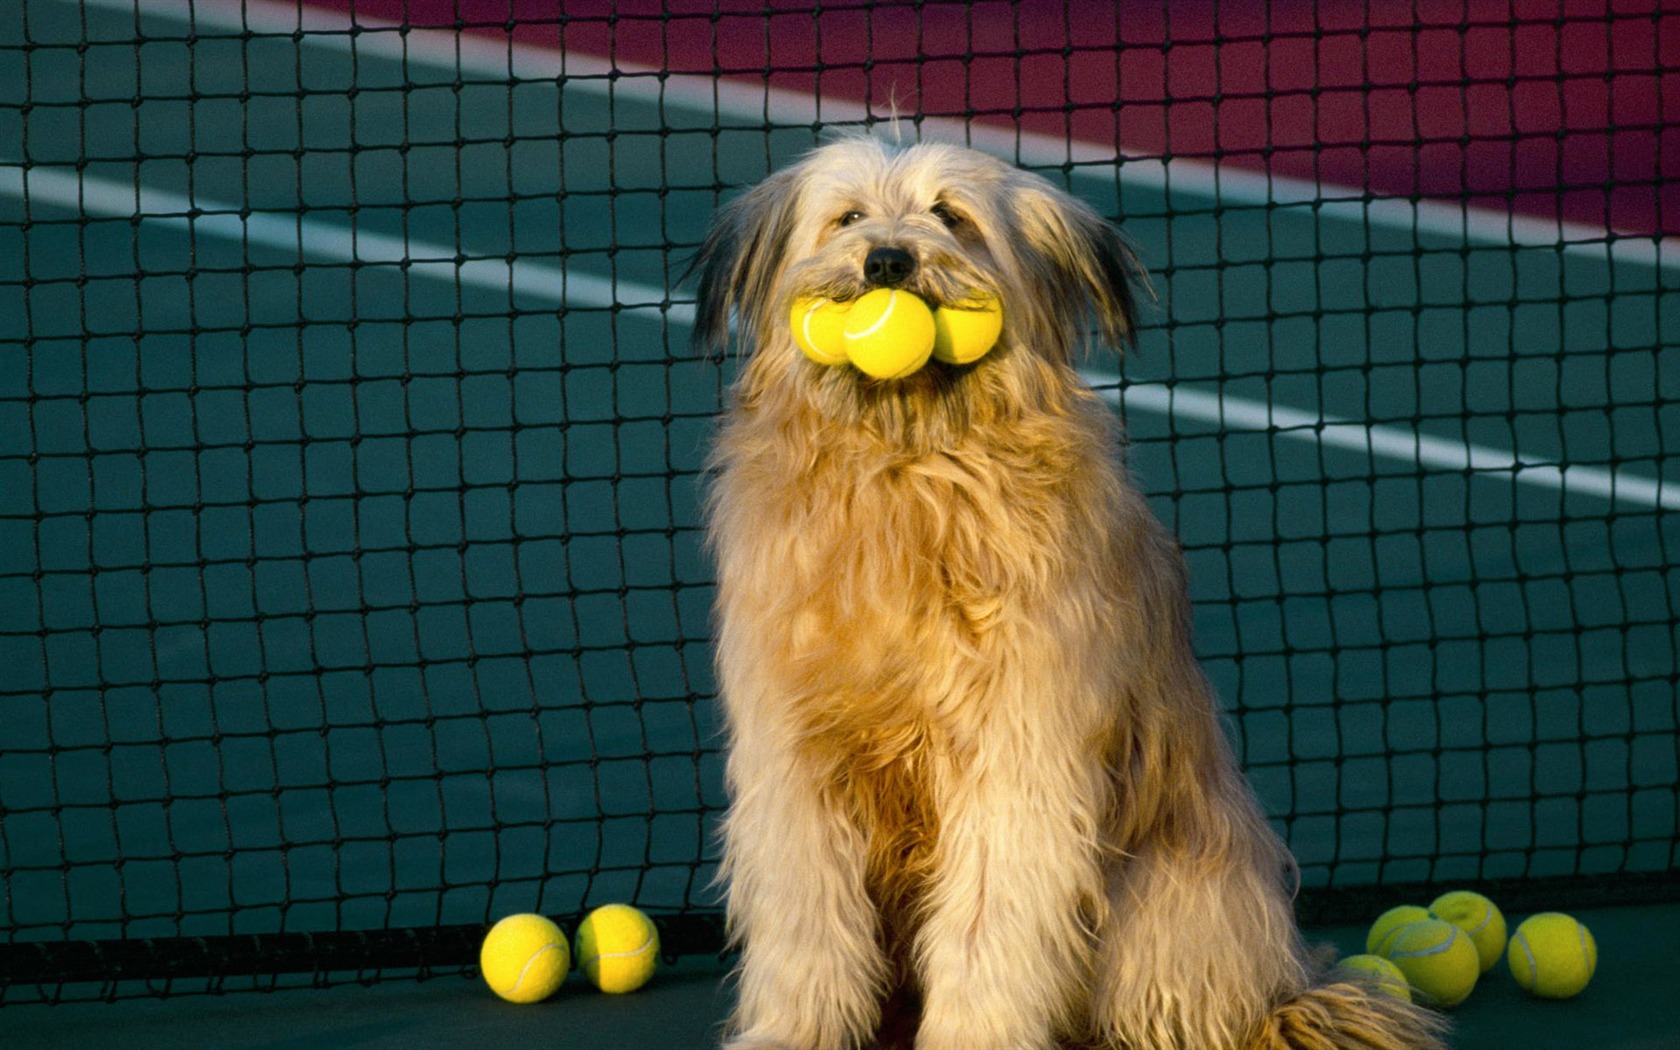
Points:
(1005, 947)
(811, 972)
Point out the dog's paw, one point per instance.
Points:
(754, 1042)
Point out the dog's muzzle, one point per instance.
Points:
(888, 267)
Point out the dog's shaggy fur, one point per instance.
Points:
(979, 789)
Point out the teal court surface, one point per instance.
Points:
(350, 461)
(1628, 1007)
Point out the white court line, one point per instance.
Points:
(302, 236)
(1394, 442)
(757, 104)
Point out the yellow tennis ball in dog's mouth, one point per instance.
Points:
(1438, 959)
(819, 327)
(617, 948)
(1476, 916)
(888, 333)
(524, 958)
(1552, 955)
(964, 332)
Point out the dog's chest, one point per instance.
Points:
(858, 576)
(929, 554)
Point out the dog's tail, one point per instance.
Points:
(1349, 1015)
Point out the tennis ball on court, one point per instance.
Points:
(963, 332)
(1476, 916)
(819, 329)
(1552, 955)
(888, 333)
(1380, 972)
(524, 958)
(1438, 959)
(617, 948)
(1390, 921)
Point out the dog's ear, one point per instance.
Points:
(1091, 268)
(740, 260)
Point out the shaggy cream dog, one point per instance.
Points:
(979, 793)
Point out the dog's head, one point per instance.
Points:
(941, 221)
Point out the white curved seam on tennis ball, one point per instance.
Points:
(532, 961)
(1487, 917)
(1420, 952)
(1533, 964)
(639, 949)
(805, 325)
(892, 304)
(1582, 933)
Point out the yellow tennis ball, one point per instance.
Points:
(524, 958)
(964, 332)
(1390, 921)
(1476, 916)
(888, 333)
(1381, 973)
(617, 948)
(1552, 955)
(819, 329)
(1438, 959)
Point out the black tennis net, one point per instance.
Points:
(350, 446)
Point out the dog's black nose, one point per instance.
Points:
(888, 267)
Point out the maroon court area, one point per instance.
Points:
(1552, 108)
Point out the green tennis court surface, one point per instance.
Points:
(350, 452)
(1629, 1007)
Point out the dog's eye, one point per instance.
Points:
(945, 215)
(850, 217)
